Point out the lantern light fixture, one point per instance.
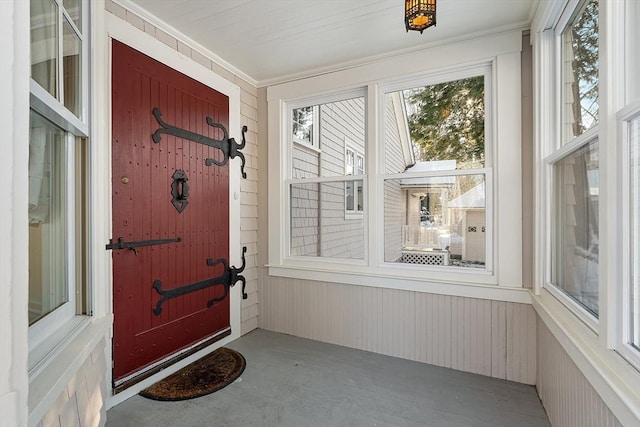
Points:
(419, 14)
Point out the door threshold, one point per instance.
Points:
(126, 382)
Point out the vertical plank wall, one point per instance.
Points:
(248, 187)
(492, 338)
(569, 399)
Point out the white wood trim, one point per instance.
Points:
(417, 283)
(117, 29)
(438, 59)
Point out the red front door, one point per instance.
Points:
(170, 201)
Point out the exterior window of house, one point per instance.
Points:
(322, 201)
(58, 179)
(305, 125)
(575, 166)
(354, 190)
(435, 187)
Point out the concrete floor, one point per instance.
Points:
(296, 382)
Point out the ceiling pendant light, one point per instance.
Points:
(419, 14)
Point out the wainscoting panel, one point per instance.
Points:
(569, 399)
(492, 338)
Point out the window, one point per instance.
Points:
(580, 64)
(354, 190)
(304, 125)
(574, 164)
(444, 180)
(57, 164)
(326, 209)
(435, 193)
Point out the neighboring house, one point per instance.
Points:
(467, 217)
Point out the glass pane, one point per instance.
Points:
(303, 128)
(44, 45)
(74, 9)
(47, 218)
(330, 128)
(71, 62)
(576, 259)
(580, 72)
(634, 128)
(319, 224)
(436, 123)
(436, 221)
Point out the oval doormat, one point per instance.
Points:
(204, 376)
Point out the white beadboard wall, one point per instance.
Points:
(567, 396)
(249, 186)
(492, 338)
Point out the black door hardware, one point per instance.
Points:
(180, 190)
(229, 147)
(122, 244)
(227, 279)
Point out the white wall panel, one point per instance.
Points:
(486, 337)
(569, 399)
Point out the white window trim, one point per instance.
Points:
(555, 151)
(40, 344)
(505, 282)
(460, 73)
(594, 352)
(628, 351)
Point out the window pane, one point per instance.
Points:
(580, 71)
(44, 47)
(576, 259)
(71, 69)
(47, 218)
(74, 9)
(442, 122)
(634, 128)
(329, 127)
(303, 125)
(436, 220)
(318, 223)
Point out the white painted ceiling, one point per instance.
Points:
(276, 40)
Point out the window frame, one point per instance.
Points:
(289, 181)
(58, 326)
(619, 100)
(623, 345)
(502, 52)
(482, 69)
(556, 150)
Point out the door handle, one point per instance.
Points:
(180, 190)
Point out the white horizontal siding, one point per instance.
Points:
(491, 338)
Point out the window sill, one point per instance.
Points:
(306, 146)
(615, 380)
(51, 374)
(480, 285)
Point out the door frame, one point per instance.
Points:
(115, 28)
